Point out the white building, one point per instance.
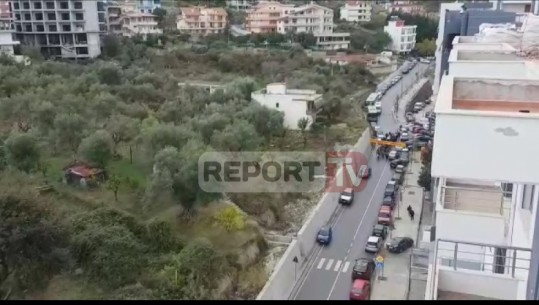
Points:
(484, 189)
(402, 36)
(516, 6)
(66, 29)
(315, 19)
(6, 30)
(294, 103)
(240, 5)
(135, 23)
(356, 11)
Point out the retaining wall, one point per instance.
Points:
(286, 272)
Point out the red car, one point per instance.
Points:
(361, 290)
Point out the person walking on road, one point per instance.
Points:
(412, 213)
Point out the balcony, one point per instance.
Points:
(477, 271)
(473, 211)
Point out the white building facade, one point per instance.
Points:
(486, 194)
(240, 5)
(7, 43)
(402, 36)
(516, 6)
(356, 11)
(295, 104)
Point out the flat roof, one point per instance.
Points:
(487, 55)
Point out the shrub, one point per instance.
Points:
(231, 218)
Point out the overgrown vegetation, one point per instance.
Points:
(137, 235)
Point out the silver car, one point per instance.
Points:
(374, 243)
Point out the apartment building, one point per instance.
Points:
(60, 28)
(7, 43)
(268, 17)
(240, 5)
(356, 11)
(198, 20)
(263, 17)
(126, 19)
(485, 207)
(295, 104)
(148, 6)
(463, 19)
(408, 7)
(402, 36)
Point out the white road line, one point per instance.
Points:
(328, 266)
(361, 222)
(321, 263)
(345, 267)
(337, 265)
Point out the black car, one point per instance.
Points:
(394, 163)
(380, 231)
(363, 269)
(398, 177)
(405, 158)
(400, 244)
(390, 189)
(389, 201)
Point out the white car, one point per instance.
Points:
(399, 168)
(420, 104)
(380, 135)
(392, 155)
(405, 136)
(374, 243)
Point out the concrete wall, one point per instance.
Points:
(283, 279)
(478, 283)
(499, 136)
(455, 225)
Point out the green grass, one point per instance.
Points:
(124, 168)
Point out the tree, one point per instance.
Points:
(267, 122)
(238, 136)
(68, 130)
(111, 46)
(427, 47)
(110, 75)
(231, 218)
(209, 124)
(424, 179)
(306, 40)
(122, 129)
(161, 13)
(97, 148)
(22, 152)
(32, 246)
(378, 42)
(303, 123)
(113, 184)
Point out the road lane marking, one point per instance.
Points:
(328, 266)
(321, 263)
(345, 267)
(361, 222)
(337, 265)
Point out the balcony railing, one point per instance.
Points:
(483, 200)
(483, 259)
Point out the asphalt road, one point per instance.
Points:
(328, 273)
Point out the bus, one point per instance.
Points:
(372, 98)
(372, 114)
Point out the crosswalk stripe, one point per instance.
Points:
(345, 267)
(321, 263)
(337, 266)
(328, 266)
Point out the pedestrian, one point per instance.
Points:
(409, 208)
(412, 213)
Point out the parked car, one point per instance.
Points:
(389, 202)
(385, 216)
(399, 168)
(325, 234)
(363, 269)
(394, 163)
(347, 196)
(417, 108)
(391, 188)
(398, 178)
(405, 158)
(365, 171)
(380, 231)
(361, 290)
(400, 244)
(392, 154)
(410, 117)
(381, 135)
(405, 136)
(374, 244)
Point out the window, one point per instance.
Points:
(81, 39)
(28, 27)
(527, 8)
(64, 5)
(507, 189)
(79, 16)
(528, 195)
(276, 105)
(17, 16)
(49, 5)
(16, 6)
(82, 51)
(65, 16)
(40, 28)
(37, 5)
(53, 28)
(54, 39)
(66, 28)
(39, 16)
(27, 17)
(51, 16)
(18, 27)
(26, 5)
(78, 5)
